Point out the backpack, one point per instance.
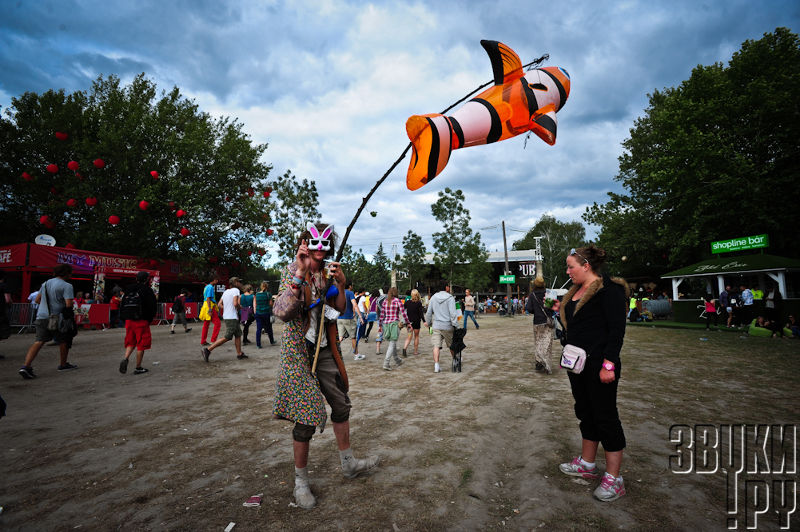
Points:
(177, 305)
(130, 308)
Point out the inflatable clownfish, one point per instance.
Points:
(517, 103)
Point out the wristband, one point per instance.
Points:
(298, 280)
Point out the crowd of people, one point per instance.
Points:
(322, 311)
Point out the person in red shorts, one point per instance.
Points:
(137, 308)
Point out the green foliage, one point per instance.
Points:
(714, 158)
(366, 275)
(297, 205)
(206, 167)
(459, 253)
(412, 261)
(557, 239)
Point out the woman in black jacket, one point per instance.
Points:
(593, 316)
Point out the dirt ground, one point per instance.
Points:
(182, 447)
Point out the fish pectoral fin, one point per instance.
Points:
(544, 123)
(506, 65)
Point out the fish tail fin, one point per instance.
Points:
(545, 124)
(431, 139)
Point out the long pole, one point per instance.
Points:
(507, 272)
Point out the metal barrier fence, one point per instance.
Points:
(21, 315)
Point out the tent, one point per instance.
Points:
(772, 266)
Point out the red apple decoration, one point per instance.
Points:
(79, 176)
(266, 193)
(72, 202)
(26, 176)
(181, 213)
(52, 168)
(60, 135)
(154, 174)
(44, 220)
(261, 252)
(99, 163)
(113, 219)
(73, 165)
(185, 231)
(269, 232)
(144, 205)
(91, 202)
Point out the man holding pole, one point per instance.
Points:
(312, 370)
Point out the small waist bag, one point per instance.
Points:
(573, 358)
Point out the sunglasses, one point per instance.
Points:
(321, 244)
(574, 251)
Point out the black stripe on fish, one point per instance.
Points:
(493, 50)
(548, 123)
(433, 158)
(496, 129)
(533, 105)
(562, 94)
(456, 127)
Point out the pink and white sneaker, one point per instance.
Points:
(610, 488)
(577, 469)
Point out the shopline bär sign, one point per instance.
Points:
(740, 243)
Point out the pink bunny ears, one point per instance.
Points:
(319, 242)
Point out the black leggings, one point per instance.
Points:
(596, 408)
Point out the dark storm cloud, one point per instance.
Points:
(330, 84)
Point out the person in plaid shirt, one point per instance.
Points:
(391, 311)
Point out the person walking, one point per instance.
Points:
(179, 312)
(56, 298)
(392, 311)
(593, 317)
(138, 308)
(229, 304)
(210, 304)
(469, 309)
(247, 311)
(414, 311)
(542, 333)
(263, 302)
(300, 395)
(443, 319)
(346, 323)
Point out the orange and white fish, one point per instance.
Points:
(517, 103)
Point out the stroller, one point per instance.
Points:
(457, 346)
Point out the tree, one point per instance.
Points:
(157, 157)
(297, 205)
(381, 271)
(459, 253)
(412, 260)
(712, 159)
(557, 239)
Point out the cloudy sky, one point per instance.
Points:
(329, 84)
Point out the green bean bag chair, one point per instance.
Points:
(761, 332)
